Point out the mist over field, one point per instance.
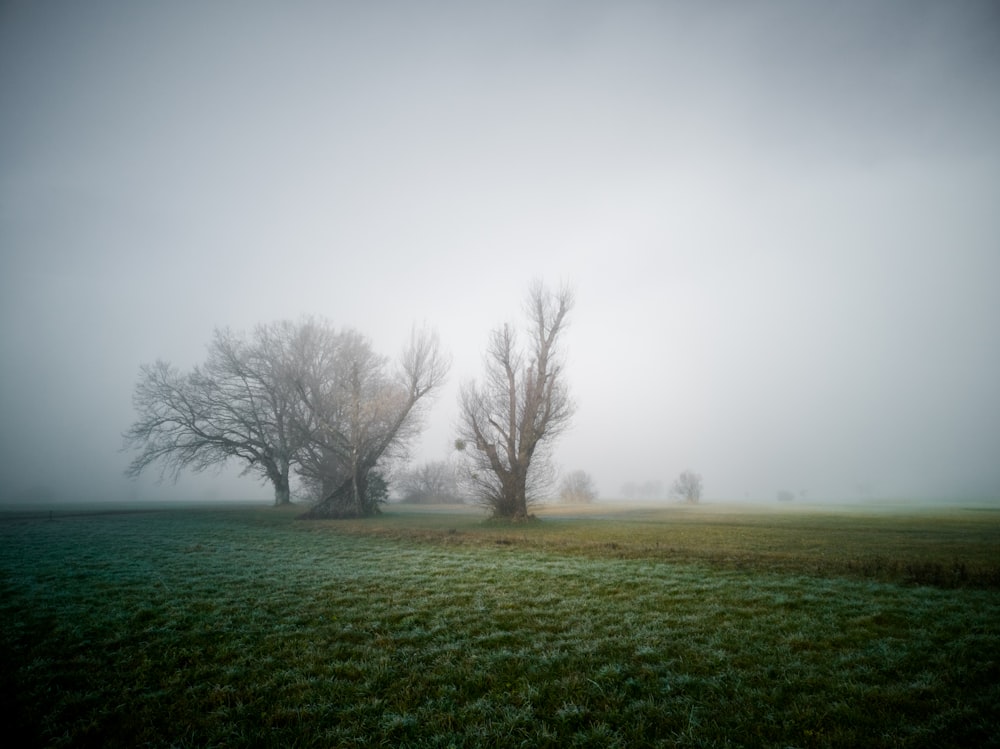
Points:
(779, 220)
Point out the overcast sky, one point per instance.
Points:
(781, 220)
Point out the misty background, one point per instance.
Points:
(781, 221)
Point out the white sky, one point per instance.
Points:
(782, 221)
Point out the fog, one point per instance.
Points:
(780, 220)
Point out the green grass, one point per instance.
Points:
(245, 627)
(931, 546)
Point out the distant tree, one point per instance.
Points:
(577, 487)
(236, 406)
(688, 487)
(786, 496)
(434, 481)
(521, 405)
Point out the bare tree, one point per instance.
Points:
(688, 487)
(319, 361)
(433, 481)
(521, 404)
(357, 410)
(237, 406)
(577, 487)
(301, 396)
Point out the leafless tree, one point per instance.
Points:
(521, 404)
(577, 487)
(357, 410)
(293, 396)
(433, 481)
(688, 487)
(237, 406)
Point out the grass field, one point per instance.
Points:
(611, 627)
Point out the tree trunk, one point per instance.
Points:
(522, 508)
(343, 502)
(279, 479)
(511, 503)
(282, 495)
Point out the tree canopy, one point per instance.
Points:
(291, 396)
